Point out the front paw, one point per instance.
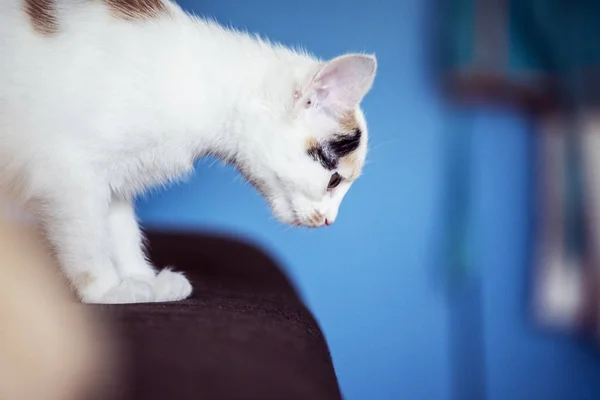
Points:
(130, 290)
(171, 286)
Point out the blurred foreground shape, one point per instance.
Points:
(51, 347)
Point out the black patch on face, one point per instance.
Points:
(330, 152)
(321, 154)
(342, 145)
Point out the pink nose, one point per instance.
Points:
(328, 222)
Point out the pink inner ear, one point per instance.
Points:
(322, 93)
(343, 82)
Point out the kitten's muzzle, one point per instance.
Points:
(317, 220)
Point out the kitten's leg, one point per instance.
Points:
(131, 261)
(74, 221)
(74, 214)
(128, 252)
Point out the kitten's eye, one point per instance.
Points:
(334, 181)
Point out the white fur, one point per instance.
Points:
(106, 108)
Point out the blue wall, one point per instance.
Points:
(372, 279)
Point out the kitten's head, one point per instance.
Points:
(318, 143)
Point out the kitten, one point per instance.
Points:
(102, 99)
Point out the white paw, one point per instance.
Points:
(130, 290)
(171, 286)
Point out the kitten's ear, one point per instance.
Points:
(341, 83)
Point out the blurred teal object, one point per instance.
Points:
(537, 56)
(535, 53)
(541, 55)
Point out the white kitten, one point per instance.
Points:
(101, 99)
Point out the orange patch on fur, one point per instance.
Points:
(349, 122)
(351, 162)
(42, 16)
(311, 143)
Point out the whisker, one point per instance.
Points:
(377, 146)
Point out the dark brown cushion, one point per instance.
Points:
(244, 334)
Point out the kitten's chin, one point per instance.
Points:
(284, 215)
(299, 224)
(285, 219)
(292, 220)
(287, 215)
